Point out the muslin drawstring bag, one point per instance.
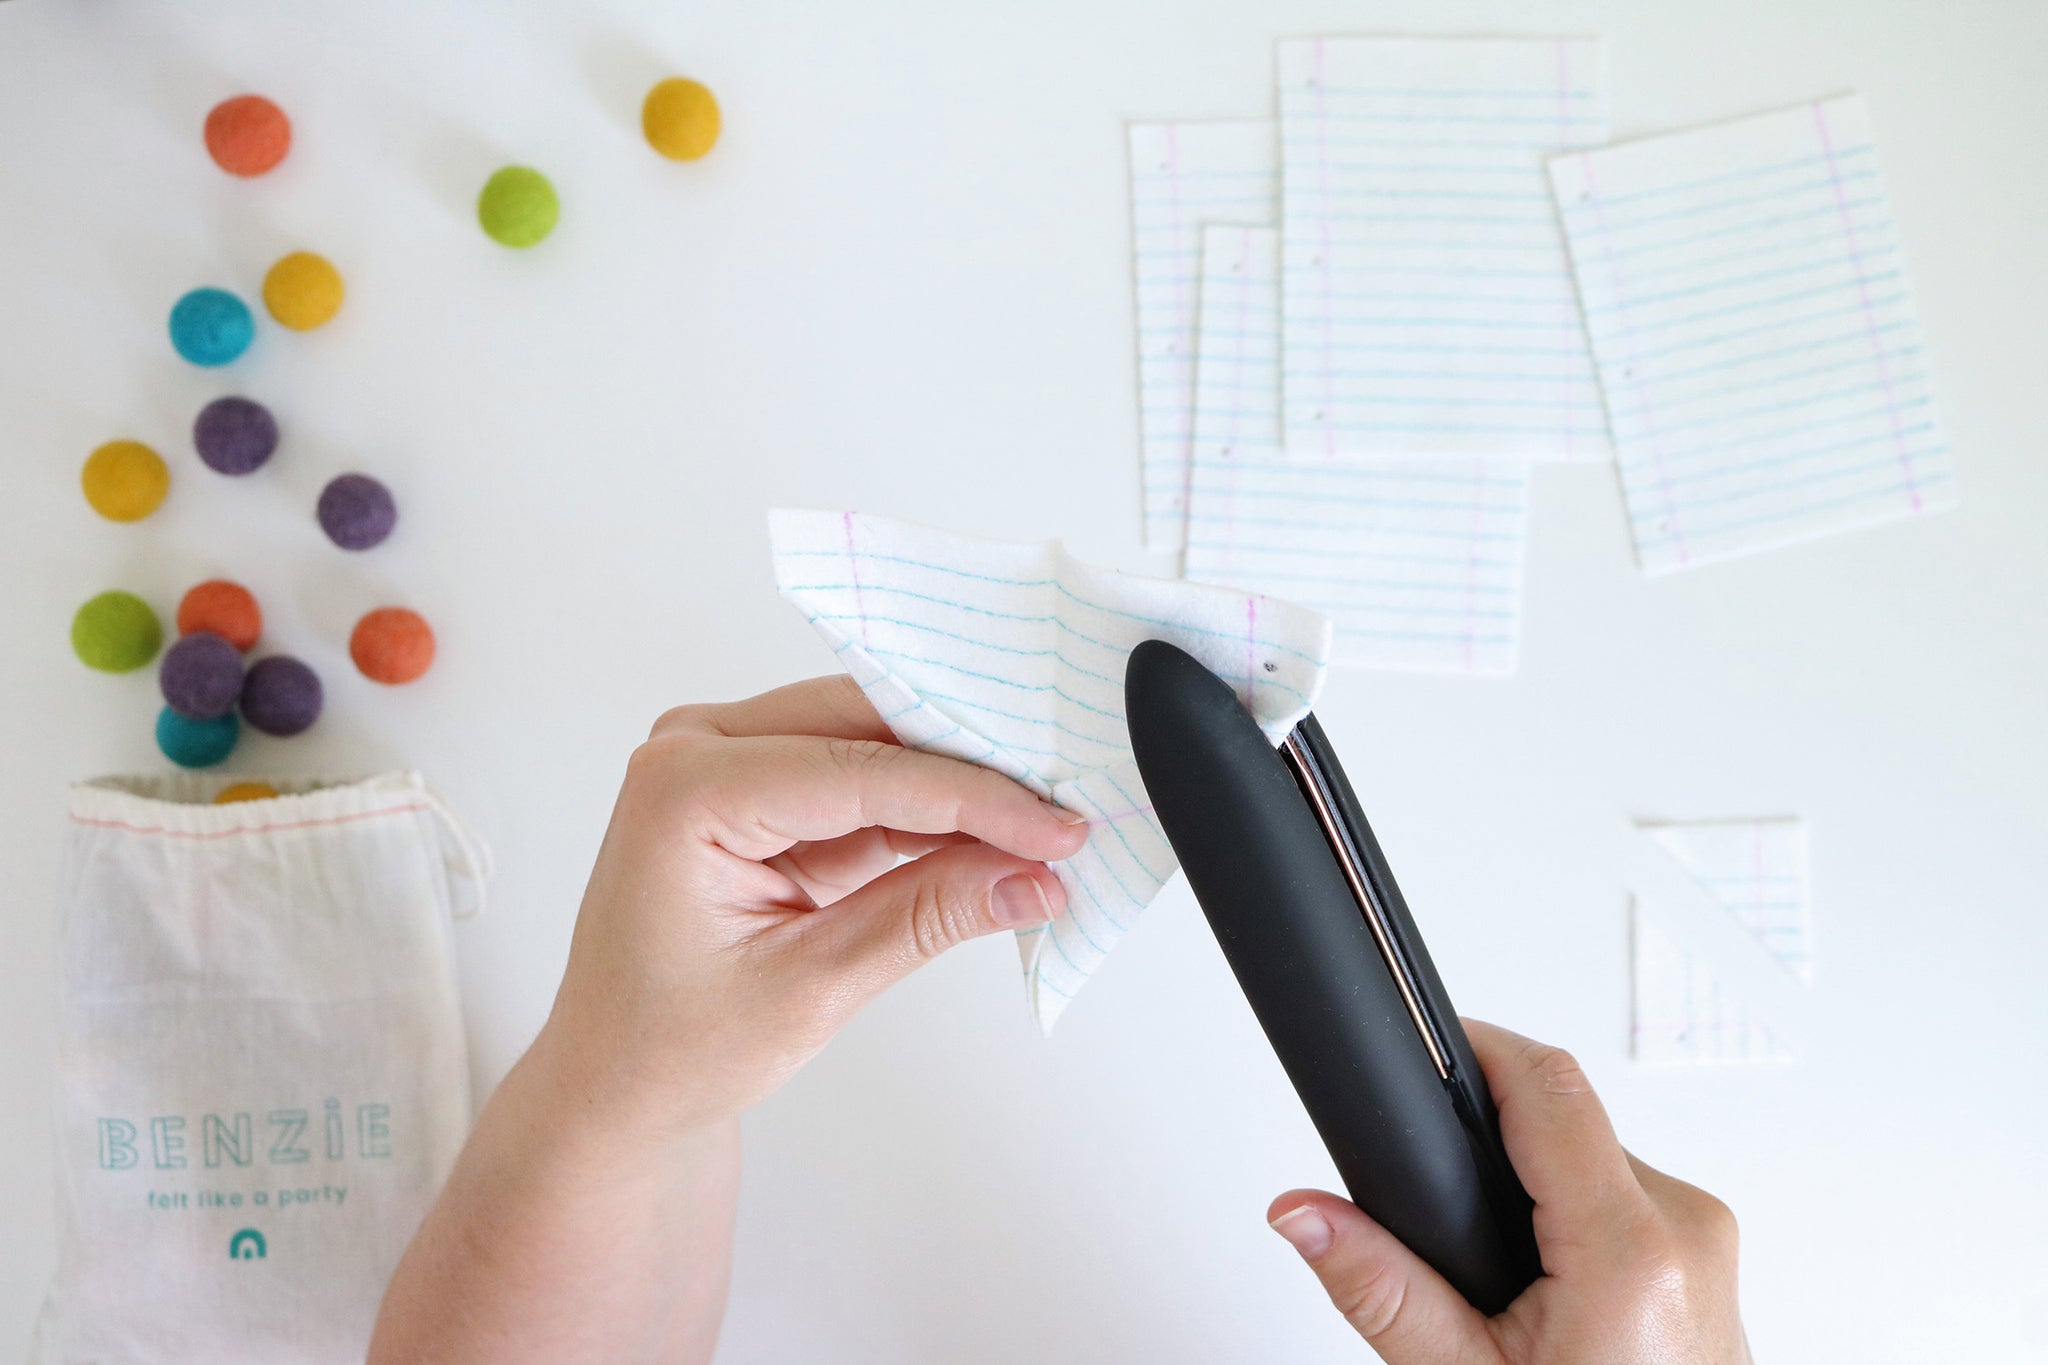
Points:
(262, 1078)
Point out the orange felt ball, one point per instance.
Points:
(227, 609)
(392, 645)
(247, 135)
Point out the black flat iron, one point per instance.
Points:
(1301, 900)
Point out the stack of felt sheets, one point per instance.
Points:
(1362, 324)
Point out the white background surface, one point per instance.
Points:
(900, 283)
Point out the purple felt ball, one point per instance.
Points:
(201, 676)
(356, 511)
(281, 696)
(234, 435)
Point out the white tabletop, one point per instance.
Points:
(901, 283)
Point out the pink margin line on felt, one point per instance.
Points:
(1585, 160)
(169, 833)
(1244, 291)
(853, 568)
(1329, 295)
(1884, 371)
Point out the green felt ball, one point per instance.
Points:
(518, 207)
(116, 632)
(193, 743)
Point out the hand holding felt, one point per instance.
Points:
(746, 901)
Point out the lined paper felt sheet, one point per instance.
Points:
(1182, 175)
(1747, 301)
(1687, 1008)
(1417, 561)
(1012, 656)
(1428, 302)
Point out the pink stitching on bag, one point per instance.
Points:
(247, 829)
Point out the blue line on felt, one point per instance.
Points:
(1604, 224)
(1513, 148)
(1057, 724)
(1695, 343)
(1729, 444)
(1837, 287)
(1116, 828)
(1748, 173)
(1669, 401)
(1366, 117)
(1875, 239)
(995, 678)
(1349, 528)
(1891, 458)
(1862, 334)
(1551, 250)
(1339, 581)
(1365, 474)
(1351, 553)
(1757, 225)
(1858, 260)
(1323, 498)
(1696, 533)
(1344, 318)
(1477, 196)
(1560, 275)
(1425, 428)
(1418, 348)
(1402, 92)
(1129, 895)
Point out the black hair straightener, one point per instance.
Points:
(1300, 897)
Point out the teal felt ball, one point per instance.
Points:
(196, 743)
(211, 327)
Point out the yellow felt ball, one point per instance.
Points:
(680, 119)
(243, 791)
(125, 480)
(302, 291)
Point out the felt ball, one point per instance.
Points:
(302, 291)
(211, 327)
(125, 480)
(356, 511)
(193, 743)
(281, 696)
(518, 206)
(392, 645)
(247, 135)
(234, 435)
(201, 676)
(225, 609)
(244, 791)
(680, 119)
(116, 632)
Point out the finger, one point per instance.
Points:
(763, 794)
(1408, 1312)
(1559, 1138)
(832, 706)
(829, 868)
(906, 917)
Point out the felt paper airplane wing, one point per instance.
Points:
(1012, 656)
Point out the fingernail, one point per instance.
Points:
(1065, 816)
(1019, 900)
(1306, 1230)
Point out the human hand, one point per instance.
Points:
(1639, 1268)
(746, 900)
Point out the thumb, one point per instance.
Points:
(1405, 1310)
(914, 912)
